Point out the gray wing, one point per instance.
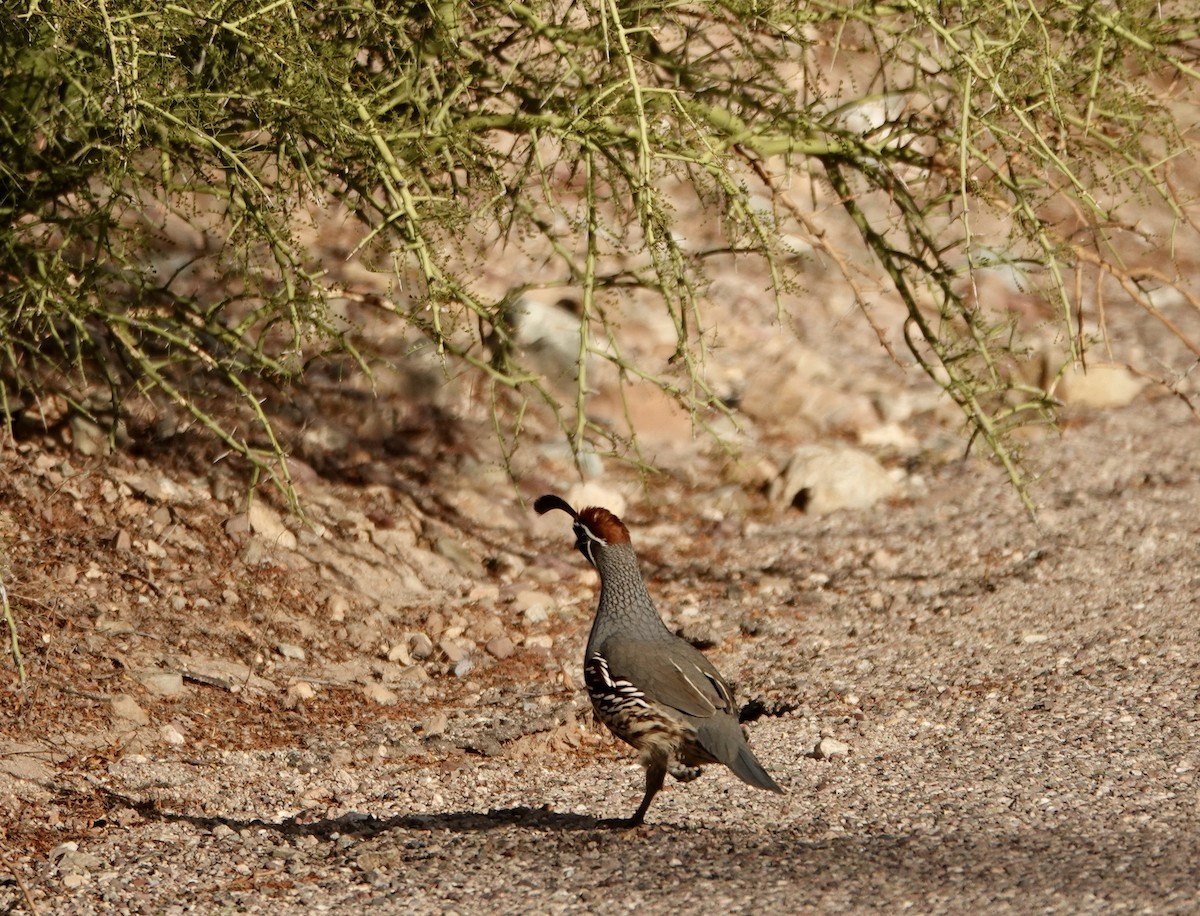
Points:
(672, 673)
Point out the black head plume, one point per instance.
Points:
(544, 504)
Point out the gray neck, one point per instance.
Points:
(625, 605)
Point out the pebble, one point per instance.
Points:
(1101, 385)
(125, 707)
(828, 748)
(500, 648)
(452, 650)
(420, 646)
(266, 522)
(172, 735)
(819, 479)
(297, 693)
(88, 438)
(435, 725)
(539, 641)
(220, 831)
(237, 528)
(463, 667)
(290, 650)
(534, 606)
(336, 607)
(162, 683)
(381, 695)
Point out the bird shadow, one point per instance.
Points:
(366, 826)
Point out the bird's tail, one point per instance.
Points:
(747, 768)
(727, 744)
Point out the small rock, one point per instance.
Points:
(399, 653)
(535, 607)
(172, 735)
(501, 647)
(73, 880)
(297, 693)
(290, 650)
(1100, 386)
(421, 646)
(122, 540)
(540, 641)
(161, 683)
(158, 489)
(819, 479)
(237, 528)
(828, 748)
(336, 607)
(57, 854)
(463, 667)
(435, 725)
(88, 438)
(223, 830)
(266, 522)
(377, 693)
(453, 651)
(125, 707)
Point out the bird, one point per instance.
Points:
(652, 689)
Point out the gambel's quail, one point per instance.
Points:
(652, 689)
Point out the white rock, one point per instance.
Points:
(162, 683)
(534, 606)
(297, 693)
(377, 693)
(125, 707)
(290, 650)
(266, 522)
(172, 735)
(828, 748)
(1102, 385)
(822, 479)
(336, 607)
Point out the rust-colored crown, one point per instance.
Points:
(604, 525)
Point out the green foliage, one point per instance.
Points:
(444, 128)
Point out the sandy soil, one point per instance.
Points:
(1018, 705)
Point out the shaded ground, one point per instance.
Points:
(1020, 705)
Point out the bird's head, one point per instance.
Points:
(596, 529)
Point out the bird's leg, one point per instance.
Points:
(655, 774)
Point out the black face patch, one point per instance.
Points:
(587, 540)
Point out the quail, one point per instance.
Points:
(652, 689)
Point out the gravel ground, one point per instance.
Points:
(1012, 711)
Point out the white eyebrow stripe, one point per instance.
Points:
(592, 536)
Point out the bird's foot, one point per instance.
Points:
(685, 774)
(620, 823)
